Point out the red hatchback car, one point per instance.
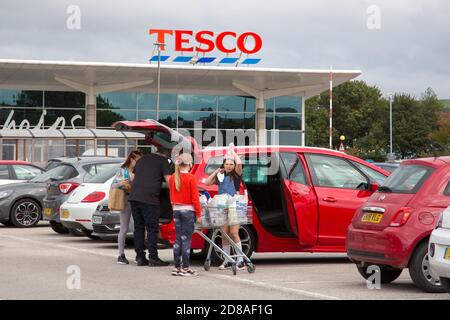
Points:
(392, 228)
(303, 199)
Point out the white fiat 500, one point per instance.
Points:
(439, 250)
(76, 213)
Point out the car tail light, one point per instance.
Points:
(95, 196)
(67, 187)
(401, 217)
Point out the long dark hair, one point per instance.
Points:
(233, 173)
(133, 154)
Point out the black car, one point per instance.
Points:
(59, 190)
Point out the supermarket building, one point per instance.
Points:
(38, 97)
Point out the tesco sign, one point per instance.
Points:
(207, 41)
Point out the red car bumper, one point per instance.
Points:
(388, 247)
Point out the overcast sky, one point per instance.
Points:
(408, 53)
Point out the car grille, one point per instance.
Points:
(103, 229)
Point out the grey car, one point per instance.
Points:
(21, 203)
(59, 190)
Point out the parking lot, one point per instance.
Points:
(37, 263)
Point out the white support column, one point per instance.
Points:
(261, 132)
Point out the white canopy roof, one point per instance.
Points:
(195, 79)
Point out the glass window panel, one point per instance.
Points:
(105, 118)
(64, 99)
(71, 147)
(9, 149)
(117, 100)
(197, 102)
(146, 114)
(335, 173)
(269, 121)
(288, 121)
(32, 115)
(186, 119)
(4, 172)
(289, 138)
(168, 118)
(238, 137)
(147, 101)
(294, 167)
(24, 172)
(237, 104)
(233, 120)
(270, 104)
(288, 104)
(21, 98)
(53, 114)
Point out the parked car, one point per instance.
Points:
(393, 227)
(439, 249)
(59, 190)
(76, 213)
(18, 171)
(388, 166)
(21, 203)
(305, 205)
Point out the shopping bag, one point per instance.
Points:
(117, 201)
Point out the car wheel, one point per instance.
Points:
(7, 223)
(445, 283)
(25, 213)
(388, 274)
(198, 254)
(248, 241)
(88, 233)
(58, 227)
(419, 270)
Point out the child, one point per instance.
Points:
(186, 211)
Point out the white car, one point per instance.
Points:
(76, 213)
(439, 250)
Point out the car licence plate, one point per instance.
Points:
(447, 254)
(372, 217)
(65, 213)
(96, 220)
(47, 212)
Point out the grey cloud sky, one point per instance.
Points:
(408, 54)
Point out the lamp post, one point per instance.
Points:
(391, 153)
(158, 46)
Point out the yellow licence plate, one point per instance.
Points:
(47, 212)
(447, 254)
(372, 217)
(65, 213)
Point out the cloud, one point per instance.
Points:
(408, 54)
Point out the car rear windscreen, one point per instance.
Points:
(408, 179)
(104, 175)
(61, 172)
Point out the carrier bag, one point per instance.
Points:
(117, 201)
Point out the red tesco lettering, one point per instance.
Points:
(207, 41)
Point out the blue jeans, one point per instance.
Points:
(184, 227)
(145, 216)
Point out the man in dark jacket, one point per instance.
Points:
(150, 171)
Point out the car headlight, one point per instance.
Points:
(5, 194)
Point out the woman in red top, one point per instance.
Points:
(186, 210)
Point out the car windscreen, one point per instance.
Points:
(104, 175)
(64, 171)
(407, 179)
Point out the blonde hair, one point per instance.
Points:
(184, 159)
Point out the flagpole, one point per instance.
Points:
(331, 107)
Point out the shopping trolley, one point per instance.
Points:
(213, 218)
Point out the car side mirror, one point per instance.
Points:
(374, 187)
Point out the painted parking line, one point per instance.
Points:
(248, 282)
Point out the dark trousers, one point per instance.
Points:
(184, 228)
(145, 216)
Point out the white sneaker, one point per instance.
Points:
(225, 266)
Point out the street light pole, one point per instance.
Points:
(158, 45)
(391, 153)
